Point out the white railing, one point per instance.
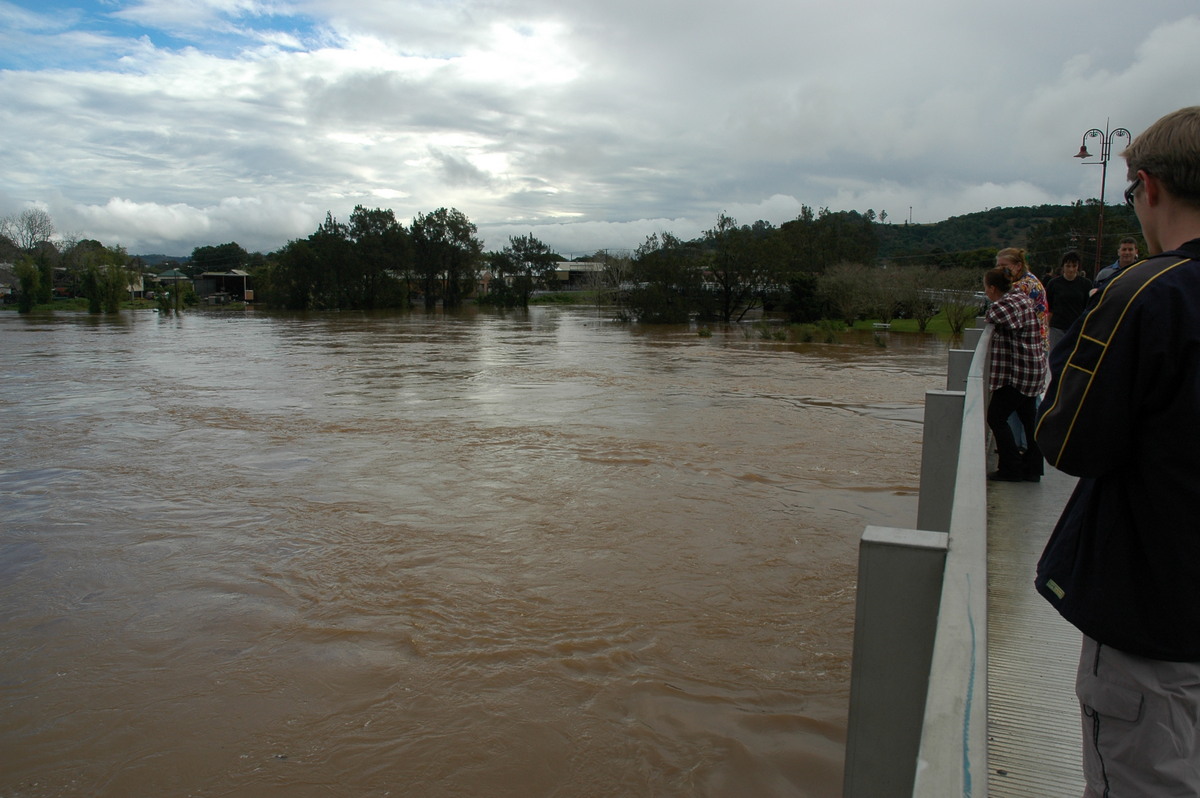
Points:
(917, 723)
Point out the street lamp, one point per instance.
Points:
(1106, 139)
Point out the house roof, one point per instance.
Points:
(230, 273)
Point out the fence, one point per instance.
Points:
(918, 695)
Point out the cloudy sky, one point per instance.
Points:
(163, 125)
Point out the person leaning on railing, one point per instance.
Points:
(1123, 414)
(1018, 374)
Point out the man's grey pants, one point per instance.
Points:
(1141, 724)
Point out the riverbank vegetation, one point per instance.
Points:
(843, 266)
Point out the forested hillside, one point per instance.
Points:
(1046, 231)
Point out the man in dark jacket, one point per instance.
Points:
(1123, 413)
(1067, 294)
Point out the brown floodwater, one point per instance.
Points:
(476, 554)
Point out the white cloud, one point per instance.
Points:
(256, 224)
(616, 119)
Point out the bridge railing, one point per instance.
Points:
(918, 695)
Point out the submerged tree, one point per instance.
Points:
(381, 251)
(360, 265)
(447, 254)
(28, 281)
(104, 285)
(666, 281)
(848, 290)
(735, 274)
(523, 266)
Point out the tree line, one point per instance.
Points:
(822, 264)
(100, 273)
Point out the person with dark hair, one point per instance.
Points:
(1017, 376)
(1123, 414)
(1067, 295)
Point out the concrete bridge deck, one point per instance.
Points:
(1033, 726)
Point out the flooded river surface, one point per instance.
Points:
(476, 554)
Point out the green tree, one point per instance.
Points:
(960, 296)
(734, 272)
(803, 302)
(666, 281)
(360, 265)
(447, 254)
(104, 285)
(45, 257)
(799, 237)
(815, 240)
(1077, 230)
(883, 296)
(848, 290)
(333, 285)
(381, 264)
(219, 259)
(290, 275)
(915, 287)
(523, 266)
(28, 281)
(77, 256)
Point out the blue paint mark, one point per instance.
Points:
(966, 741)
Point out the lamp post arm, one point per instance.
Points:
(1106, 139)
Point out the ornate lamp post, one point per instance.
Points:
(1106, 139)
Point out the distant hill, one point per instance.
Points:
(1045, 230)
(998, 227)
(158, 260)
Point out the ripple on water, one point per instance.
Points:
(479, 554)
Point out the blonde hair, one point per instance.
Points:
(1016, 255)
(1170, 151)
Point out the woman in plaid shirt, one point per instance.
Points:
(1017, 376)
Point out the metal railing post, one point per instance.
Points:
(896, 611)
(939, 459)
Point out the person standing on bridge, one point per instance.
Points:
(1012, 260)
(1127, 255)
(1067, 295)
(1017, 376)
(1123, 414)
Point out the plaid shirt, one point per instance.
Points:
(1018, 354)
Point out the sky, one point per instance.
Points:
(164, 125)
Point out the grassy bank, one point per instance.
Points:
(937, 324)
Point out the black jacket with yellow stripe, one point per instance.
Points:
(1123, 413)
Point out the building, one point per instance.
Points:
(218, 288)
